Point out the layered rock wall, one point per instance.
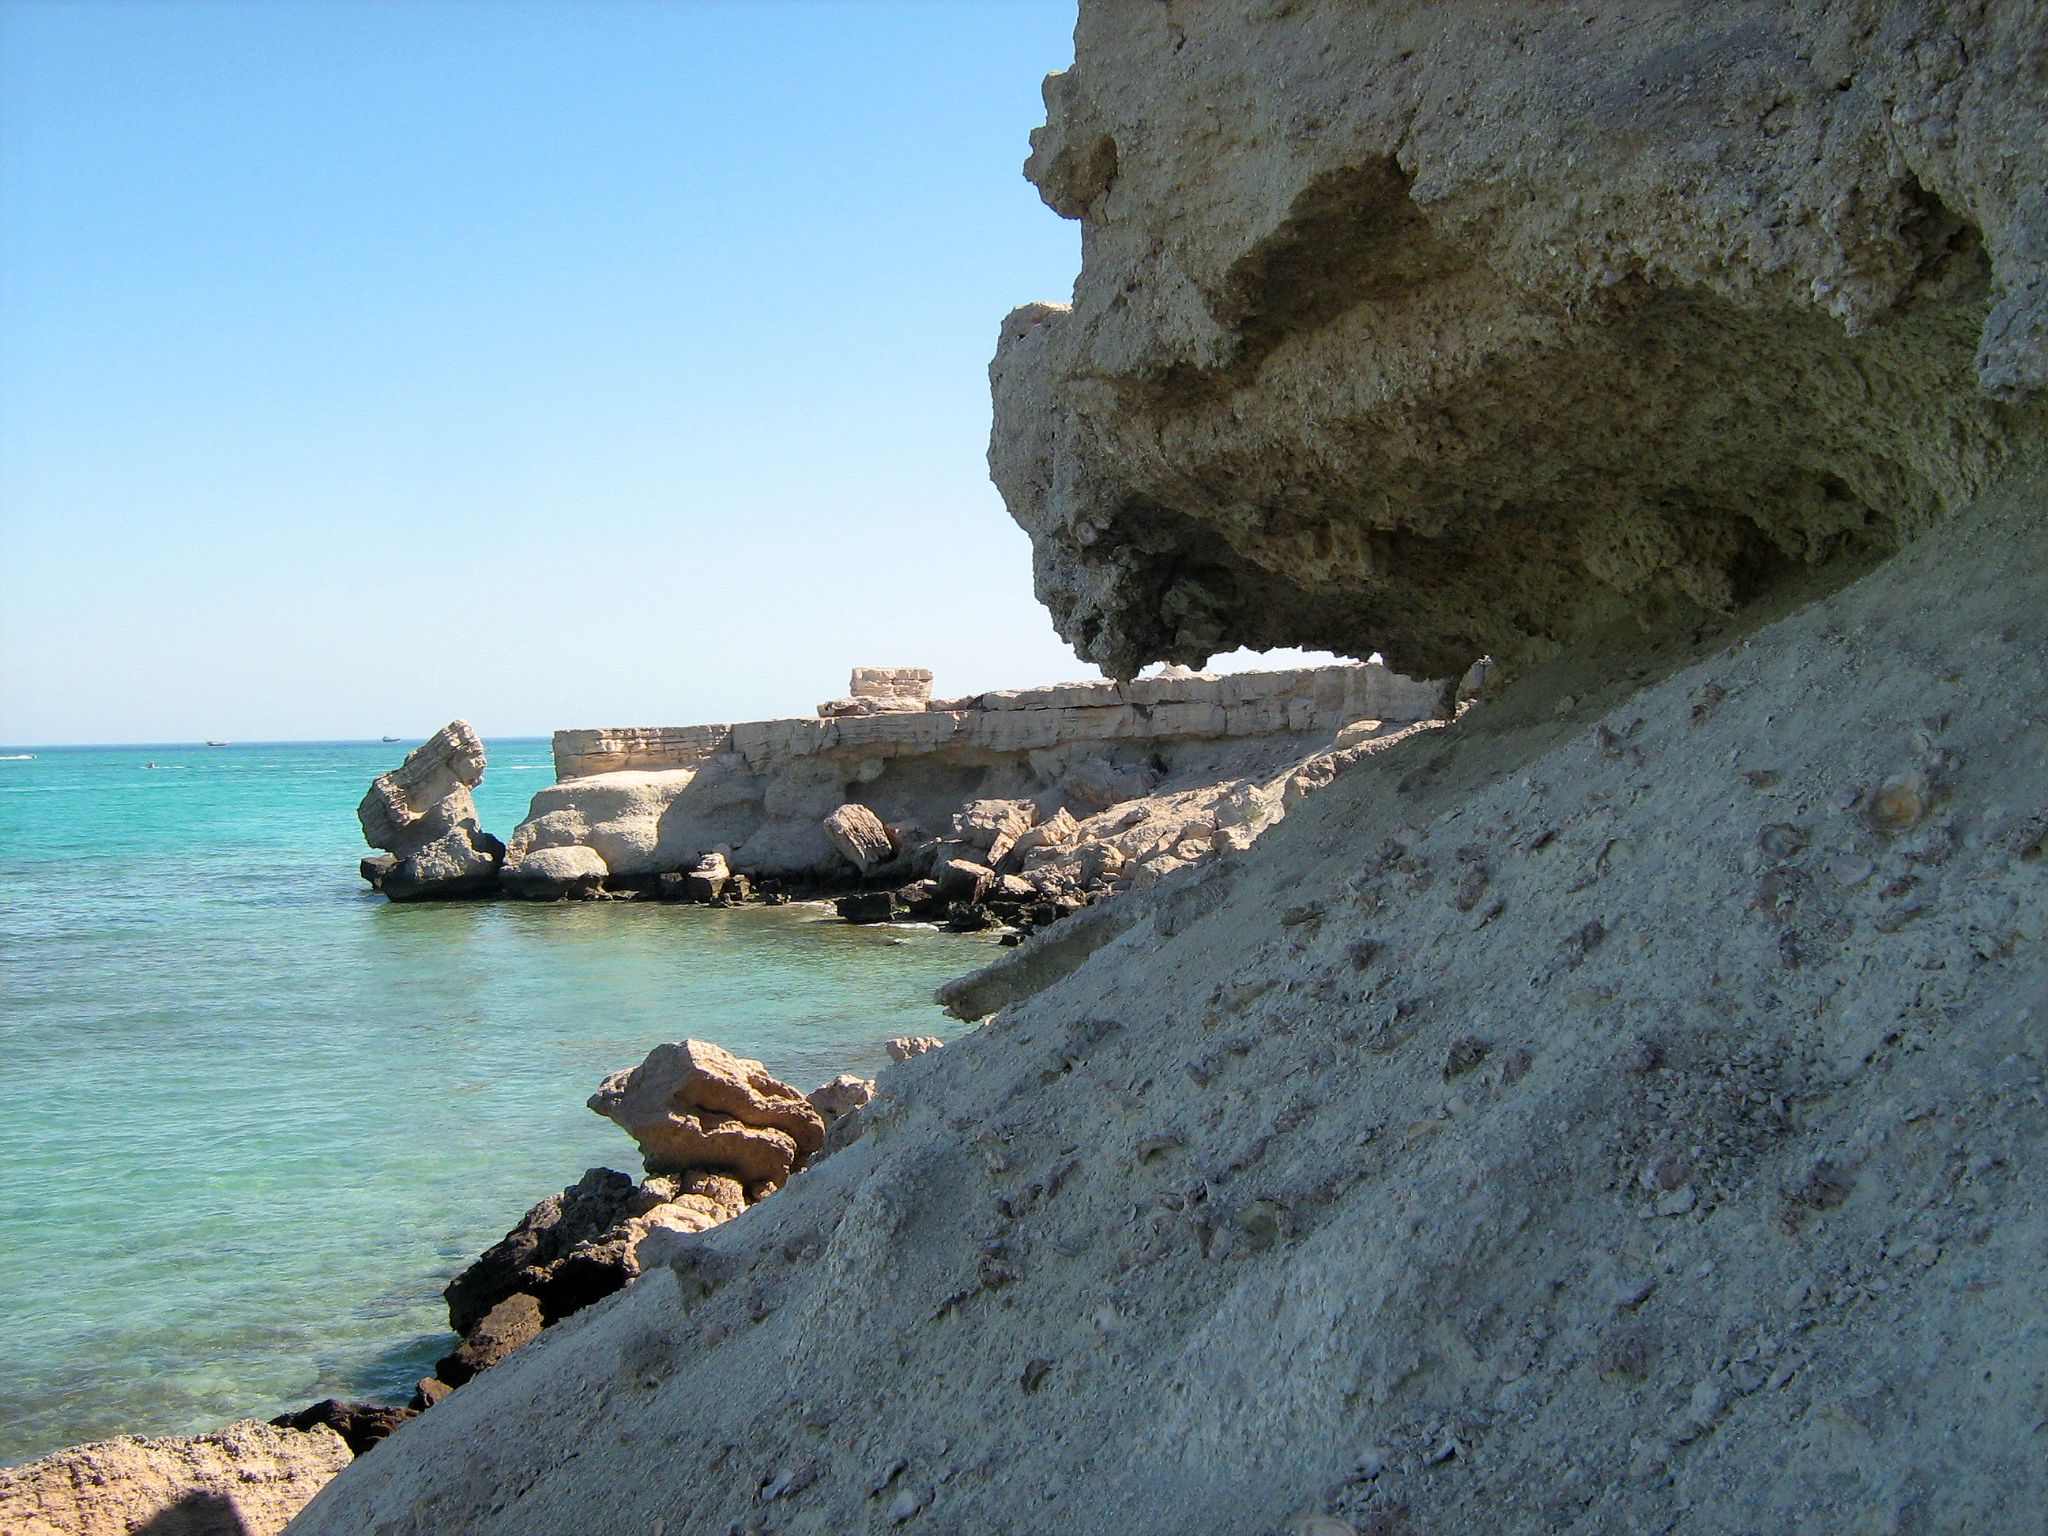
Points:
(648, 801)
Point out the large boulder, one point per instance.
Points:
(423, 816)
(245, 1480)
(693, 1105)
(962, 879)
(993, 825)
(555, 874)
(858, 833)
(538, 1256)
(1380, 308)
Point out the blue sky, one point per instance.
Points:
(364, 364)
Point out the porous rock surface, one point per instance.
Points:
(694, 1105)
(634, 804)
(1441, 329)
(423, 816)
(1615, 1110)
(245, 1480)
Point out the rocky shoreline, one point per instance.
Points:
(717, 1134)
(1010, 809)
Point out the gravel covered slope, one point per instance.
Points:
(1621, 1110)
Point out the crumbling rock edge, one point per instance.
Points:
(1440, 333)
(1619, 1108)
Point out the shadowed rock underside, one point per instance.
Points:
(1439, 329)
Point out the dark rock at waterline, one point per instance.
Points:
(970, 917)
(533, 1257)
(866, 907)
(511, 1324)
(466, 862)
(921, 898)
(361, 1425)
(428, 1391)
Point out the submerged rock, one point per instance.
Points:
(424, 818)
(866, 907)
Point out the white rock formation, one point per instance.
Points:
(424, 817)
(859, 835)
(883, 691)
(652, 801)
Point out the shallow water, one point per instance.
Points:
(252, 1117)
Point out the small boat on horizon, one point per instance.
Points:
(394, 738)
(216, 743)
(18, 757)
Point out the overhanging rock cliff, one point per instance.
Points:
(1620, 1110)
(1437, 329)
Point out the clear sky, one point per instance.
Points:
(369, 362)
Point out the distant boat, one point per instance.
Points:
(394, 738)
(216, 743)
(18, 757)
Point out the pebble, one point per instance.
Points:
(1677, 1202)
(905, 1505)
(1850, 869)
(1630, 1294)
(882, 1479)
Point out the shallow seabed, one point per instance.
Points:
(252, 1118)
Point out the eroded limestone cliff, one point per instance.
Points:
(1446, 328)
(1620, 1110)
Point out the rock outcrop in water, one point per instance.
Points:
(424, 818)
(718, 1133)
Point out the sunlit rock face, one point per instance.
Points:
(1439, 329)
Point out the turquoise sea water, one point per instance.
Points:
(252, 1117)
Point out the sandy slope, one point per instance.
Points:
(1518, 1144)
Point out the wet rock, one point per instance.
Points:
(963, 880)
(510, 1325)
(528, 1257)
(708, 878)
(428, 1391)
(360, 1425)
(555, 874)
(866, 907)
